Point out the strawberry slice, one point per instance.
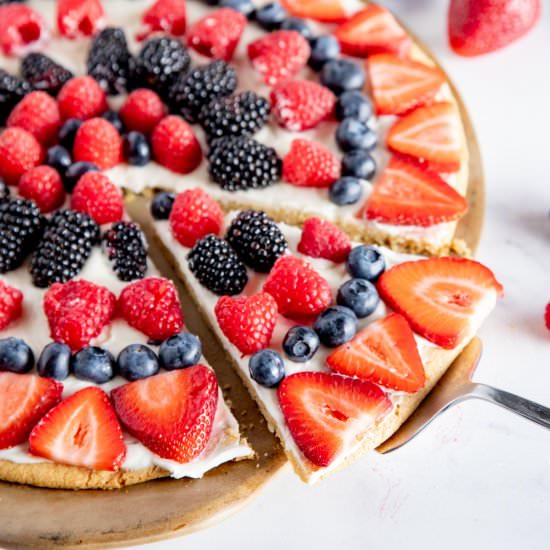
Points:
(373, 30)
(328, 413)
(326, 11)
(385, 353)
(432, 134)
(409, 194)
(82, 430)
(171, 413)
(440, 297)
(26, 398)
(399, 85)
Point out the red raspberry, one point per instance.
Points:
(247, 321)
(168, 16)
(301, 104)
(81, 97)
(20, 28)
(37, 113)
(98, 141)
(77, 311)
(217, 34)
(142, 111)
(77, 18)
(19, 152)
(310, 164)
(279, 55)
(152, 306)
(175, 145)
(43, 185)
(194, 215)
(322, 239)
(11, 300)
(547, 316)
(99, 197)
(300, 292)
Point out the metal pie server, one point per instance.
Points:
(456, 386)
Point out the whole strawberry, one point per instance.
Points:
(194, 215)
(247, 321)
(152, 306)
(175, 145)
(21, 28)
(98, 141)
(142, 111)
(19, 152)
(76, 18)
(300, 292)
(322, 239)
(77, 311)
(43, 185)
(481, 26)
(37, 113)
(99, 197)
(310, 164)
(11, 300)
(81, 97)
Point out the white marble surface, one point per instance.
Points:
(479, 477)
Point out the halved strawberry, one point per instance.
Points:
(440, 297)
(327, 11)
(432, 134)
(409, 194)
(25, 399)
(385, 353)
(82, 430)
(373, 30)
(328, 413)
(170, 413)
(399, 85)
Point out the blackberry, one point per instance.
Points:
(240, 162)
(159, 63)
(126, 247)
(192, 91)
(256, 239)
(66, 245)
(21, 226)
(12, 90)
(43, 73)
(109, 60)
(4, 192)
(240, 115)
(217, 267)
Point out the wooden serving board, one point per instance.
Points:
(45, 518)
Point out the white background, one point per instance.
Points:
(479, 477)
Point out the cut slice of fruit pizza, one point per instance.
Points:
(338, 342)
(326, 109)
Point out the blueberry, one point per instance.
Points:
(15, 355)
(341, 75)
(59, 158)
(54, 361)
(270, 16)
(246, 7)
(68, 131)
(300, 344)
(137, 361)
(354, 134)
(359, 164)
(180, 351)
(335, 326)
(346, 190)
(162, 205)
(75, 171)
(298, 25)
(267, 368)
(94, 364)
(360, 296)
(323, 49)
(365, 262)
(354, 104)
(114, 119)
(136, 149)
